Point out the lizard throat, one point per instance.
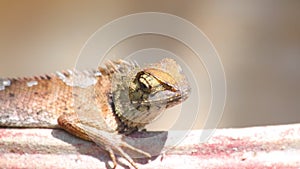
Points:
(124, 126)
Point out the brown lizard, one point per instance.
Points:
(100, 106)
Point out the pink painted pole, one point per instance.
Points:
(255, 147)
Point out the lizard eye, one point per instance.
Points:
(140, 88)
(144, 82)
(149, 83)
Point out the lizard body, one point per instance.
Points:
(100, 105)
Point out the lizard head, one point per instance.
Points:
(143, 94)
(153, 86)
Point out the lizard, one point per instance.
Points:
(101, 105)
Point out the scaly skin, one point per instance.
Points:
(100, 106)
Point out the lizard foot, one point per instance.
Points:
(114, 144)
(124, 154)
(110, 141)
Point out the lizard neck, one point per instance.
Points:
(132, 115)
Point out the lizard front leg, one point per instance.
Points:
(112, 142)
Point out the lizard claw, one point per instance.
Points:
(118, 148)
(125, 155)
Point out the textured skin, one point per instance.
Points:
(99, 106)
(41, 105)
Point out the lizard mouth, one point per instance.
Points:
(178, 98)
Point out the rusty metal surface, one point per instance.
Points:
(256, 147)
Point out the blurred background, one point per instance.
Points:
(258, 43)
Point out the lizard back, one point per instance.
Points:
(39, 101)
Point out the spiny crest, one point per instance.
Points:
(120, 66)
